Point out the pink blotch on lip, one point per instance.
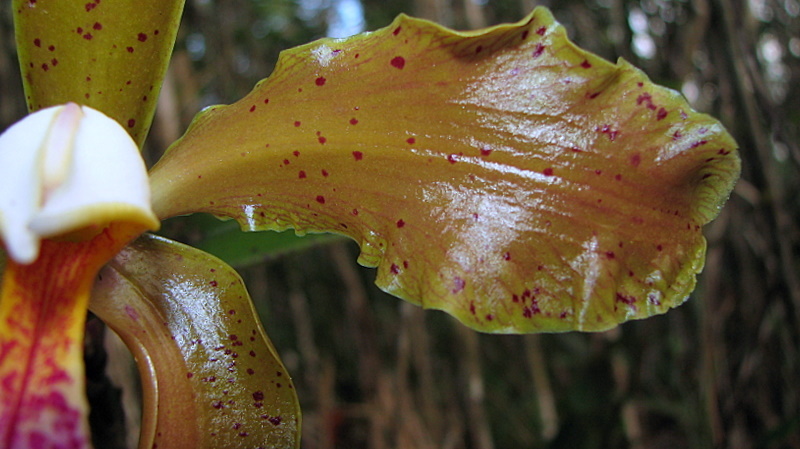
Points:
(458, 284)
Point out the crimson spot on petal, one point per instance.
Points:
(398, 62)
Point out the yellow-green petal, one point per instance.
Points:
(109, 55)
(211, 377)
(503, 175)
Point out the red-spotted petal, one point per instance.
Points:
(212, 378)
(109, 55)
(502, 175)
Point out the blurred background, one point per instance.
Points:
(721, 371)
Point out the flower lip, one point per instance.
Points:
(64, 169)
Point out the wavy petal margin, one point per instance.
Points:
(211, 377)
(504, 175)
(42, 313)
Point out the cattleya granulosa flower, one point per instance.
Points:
(503, 175)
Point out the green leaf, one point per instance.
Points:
(503, 175)
(211, 377)
(225, 239)
(109, 55)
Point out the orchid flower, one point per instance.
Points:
(503, 175)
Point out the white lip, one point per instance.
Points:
(66, 168)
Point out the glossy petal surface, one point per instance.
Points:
(504, 175)
(109, 55)
(42, 312)
(211, 377)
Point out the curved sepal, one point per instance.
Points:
(109, 55)
(211, 377)
(42, 312)
(503, 175)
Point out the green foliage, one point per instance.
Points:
(241, 249)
